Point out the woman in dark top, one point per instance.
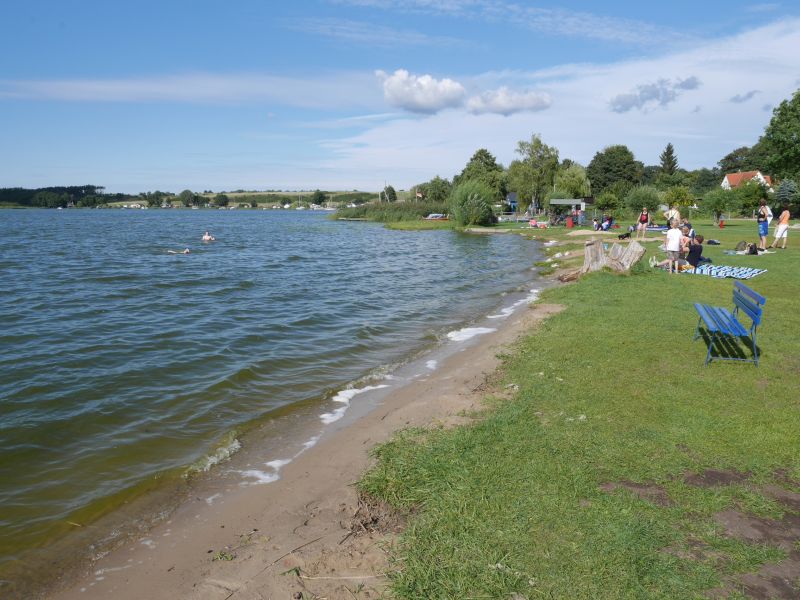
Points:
(641, 225)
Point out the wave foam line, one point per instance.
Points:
(344, 397)
(462, 335)
(509, 310)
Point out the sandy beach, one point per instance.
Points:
(305, 533)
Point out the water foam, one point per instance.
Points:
(220, 454)
(462, 335)
(509, 310)
(431, 364)
(274, 467)
(344, 397)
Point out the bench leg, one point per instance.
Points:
(710, 347)
(697, 329)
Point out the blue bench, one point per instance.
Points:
(721, 324)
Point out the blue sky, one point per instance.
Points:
(346, 94)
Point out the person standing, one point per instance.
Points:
(673, 214)
(674, 243)
(763, 225)
(782, 229)
(643, 222)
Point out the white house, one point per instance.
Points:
(734, 180)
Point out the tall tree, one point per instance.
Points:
(390, 194)
(435, 190)
(573, 181)
(781, 139)
(612, 165)
(669, 162)
(186, 197)
(483, 167)
(534, 173)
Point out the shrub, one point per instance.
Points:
(470, 204)
(643, 195)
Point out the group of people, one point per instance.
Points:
(684, 247)
(603, 224)
(763, 218)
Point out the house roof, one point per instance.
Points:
(737, 179)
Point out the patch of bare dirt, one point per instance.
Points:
(375, 516)
(712, 478)
(646, 491)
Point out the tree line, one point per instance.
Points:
(618, 181)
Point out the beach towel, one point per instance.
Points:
(721, 271)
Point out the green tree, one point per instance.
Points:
(705, 180)
(719, 201)
(221, 200)
(641, 196)
(436, 190)
(483, 167)
(669, 162)
(613, 164)
(781, 139)
(678, 196)
(540, 167)
(749, 195)
(787, 194)
(318, 197)
(607, 202)
(573, 181)
(471, 203)
(390, 194)
(650, 174)
(186, 197)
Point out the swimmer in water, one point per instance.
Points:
(207, 237)
(184, 251)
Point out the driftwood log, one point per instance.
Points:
(619, 258)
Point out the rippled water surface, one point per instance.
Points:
(119, 360)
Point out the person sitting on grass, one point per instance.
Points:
(695, 255)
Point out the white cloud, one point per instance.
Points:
(321, 92)
(660, 93)
(579, 123)
(504, 101)
(551, 21)
(367, 33)
(420, 93)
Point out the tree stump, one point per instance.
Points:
(619, 258)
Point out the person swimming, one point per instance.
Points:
(184, 251)
(207, 237)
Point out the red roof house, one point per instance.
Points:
(734, 180)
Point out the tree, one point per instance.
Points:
(745, 159)
(318, 197)
(643, 196)
(678, 196)
(607, 202)
(573, 181)
(650, 174)
(435, 190)
(221, 200)
(613, 164)
(186, 197)
(471, 203)
(787, 193)
(719, 201)
(749, 195)
(705, 180)
(669, 162)
(540, 167)
(390, 194)
(484, 167)
(781, 139)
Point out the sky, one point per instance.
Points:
(355, 94)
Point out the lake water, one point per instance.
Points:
(120, 361)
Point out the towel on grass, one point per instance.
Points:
(721, 271)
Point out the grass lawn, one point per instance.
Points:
(621, 467)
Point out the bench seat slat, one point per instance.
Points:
(718, 319)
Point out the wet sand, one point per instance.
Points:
(304, 533)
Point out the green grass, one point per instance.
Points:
(611, 389)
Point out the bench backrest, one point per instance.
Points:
(748, 301)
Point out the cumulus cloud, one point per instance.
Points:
(660, 93)
(740, 98)
(421, 93)
(504, 101)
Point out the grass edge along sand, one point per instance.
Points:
(620, 467)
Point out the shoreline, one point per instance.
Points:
(276, 518)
